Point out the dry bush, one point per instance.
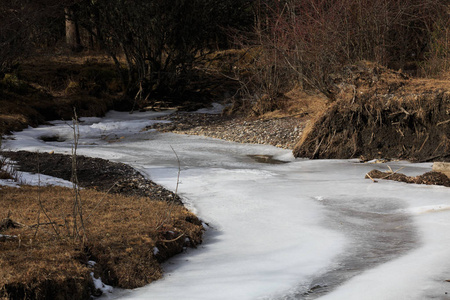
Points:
(160, 40)
(122, 233)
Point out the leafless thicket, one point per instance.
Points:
(159, 39)
(302, 42)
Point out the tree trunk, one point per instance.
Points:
(73, 40)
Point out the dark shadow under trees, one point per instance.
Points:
(161, 40)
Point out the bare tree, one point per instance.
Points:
(160, 39)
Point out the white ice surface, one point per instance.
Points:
(277, 231)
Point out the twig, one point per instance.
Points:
(101, 200)
(179, 169)
(423, 144)
(404, 111)
(138, 95)
(317, 148)
(169, 212)
(77, 204)
(39, 224)
(170, 241)
(42, 205)
(443, 122)
(392, 173)
(371, 178)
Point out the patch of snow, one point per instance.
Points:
(216, 109)
(155, 250)
(43, 180)
(5, 236)
(9, 182)
(99, 285)
(26, 178)
(91, 263)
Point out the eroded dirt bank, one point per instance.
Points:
(380, 113)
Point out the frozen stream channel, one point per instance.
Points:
(296, 230)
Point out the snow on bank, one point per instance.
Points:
(26, 178)
(279, 231)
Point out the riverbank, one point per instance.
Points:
(131, 226)
(281, 128)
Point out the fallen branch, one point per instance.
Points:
(39, 224)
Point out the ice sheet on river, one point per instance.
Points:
(300, 230)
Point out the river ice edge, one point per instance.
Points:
(274, 228)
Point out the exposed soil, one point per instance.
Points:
(96, 173)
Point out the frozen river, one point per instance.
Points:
(298, 229)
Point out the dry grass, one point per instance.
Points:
(48, 87)
(122, 233)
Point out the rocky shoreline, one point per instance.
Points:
(282, 132)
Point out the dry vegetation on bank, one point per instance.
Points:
(381, 113)
(44, 262)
